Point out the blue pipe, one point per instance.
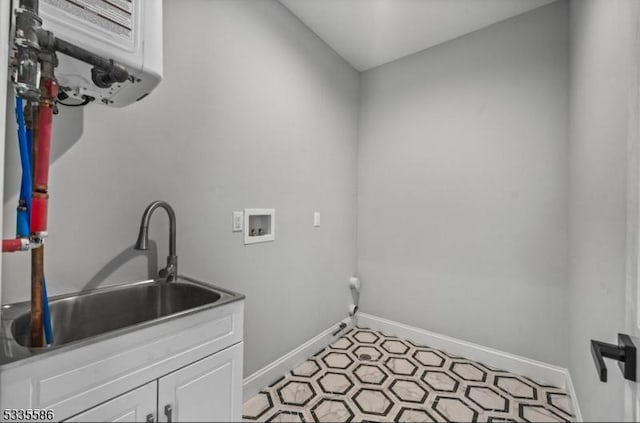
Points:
(25, 187)
(22, 223)
(46, 316)
(25, 144)
(22, 228)
(25, 154)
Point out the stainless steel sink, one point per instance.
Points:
(109, 312)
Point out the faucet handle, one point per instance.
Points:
(163, 273)
(170, 273)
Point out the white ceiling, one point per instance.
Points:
(369, 33)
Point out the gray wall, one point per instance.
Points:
(462, 188)
(463, 181)
(257, 113)
(600, 37)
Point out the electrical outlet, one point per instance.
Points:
(238, 217)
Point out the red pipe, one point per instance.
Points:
(43, 142)
(40, 198)
(39, 209)
(17, 244)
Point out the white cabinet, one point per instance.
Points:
(209, 390)
(138, 405)
(192, 363)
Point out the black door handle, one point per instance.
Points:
(624, 353)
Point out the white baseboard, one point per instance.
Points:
(536, 370)
(256, 382)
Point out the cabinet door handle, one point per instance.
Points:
(168, 411)
(150, 418)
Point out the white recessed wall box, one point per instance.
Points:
(126, 31)
(259, 225)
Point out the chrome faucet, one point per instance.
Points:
(171, 271)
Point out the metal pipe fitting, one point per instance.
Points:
(26, 66)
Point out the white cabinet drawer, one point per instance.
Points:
(138, 405)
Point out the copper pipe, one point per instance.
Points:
(42, 146)
(37, 276)
(37, 254)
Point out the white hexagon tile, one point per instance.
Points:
(366, 376)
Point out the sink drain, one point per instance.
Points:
(365, 357)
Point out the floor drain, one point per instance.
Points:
(365, 357)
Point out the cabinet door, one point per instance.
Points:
(209, 390)
(138, 405)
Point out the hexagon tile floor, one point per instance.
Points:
(367, 376)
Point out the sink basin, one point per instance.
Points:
(85, 315)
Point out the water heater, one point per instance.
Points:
(126, 31)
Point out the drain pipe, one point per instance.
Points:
(354, 284)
